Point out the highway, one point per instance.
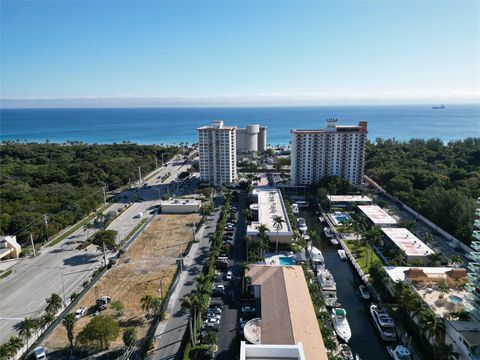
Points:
(34, 279)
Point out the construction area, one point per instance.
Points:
(147, 268)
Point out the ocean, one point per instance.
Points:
(175, 125)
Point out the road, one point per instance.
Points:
(23, 293)
(169, 333)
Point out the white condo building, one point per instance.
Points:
(217, 149)
(334, 151)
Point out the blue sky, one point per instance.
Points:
(239, 52)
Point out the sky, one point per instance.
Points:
(156, 53)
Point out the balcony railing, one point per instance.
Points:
(476, 244)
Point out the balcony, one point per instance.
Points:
(476, 224)
(476, 244)
(473, 277)
(474, 267)
(475, 256)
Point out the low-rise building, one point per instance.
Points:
(180, 206)
(287, 326)
(377, 216)
(402, 239)
(9, 247)
(347, 200)
(267, 203)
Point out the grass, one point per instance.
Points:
(5, 273)
(361, 259)
(134, 230)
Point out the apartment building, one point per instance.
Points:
(252, 139)
(218, 153)
(333, 151)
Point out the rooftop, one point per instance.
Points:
(273, 352)
(288, 316)
(408, 242)
(377, 215)
(348, 198)
(217, 125)
(270, 204)
(181, 202)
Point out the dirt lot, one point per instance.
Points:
(148, 262)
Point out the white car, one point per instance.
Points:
(40, 353)
(212, 321)
(219, 287)
(80, 312)
(229, 275)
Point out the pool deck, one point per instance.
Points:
(274, 259)
(333, 217)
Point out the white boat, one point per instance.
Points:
(364, 292)
(321, 219)
(301, 225)
(316, 257)
(303, 204)
(346, 352)
(329, 287)
(340, 324)
(306, 237)
(328, 232)
(342, 254)
(333, 241)
(383, 322)
(400, 352)
(295, 209)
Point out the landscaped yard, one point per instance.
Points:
(361, 258)
(147, 267)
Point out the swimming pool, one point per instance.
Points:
(286, 260)
(340, 217)
(455, 299)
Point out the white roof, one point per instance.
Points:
(181, 202)
(397, 273)
(377, 215)
(408, 242)
(348, 198)
(270, 204)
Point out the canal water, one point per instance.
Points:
(365, 340)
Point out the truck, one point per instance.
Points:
(102, 302)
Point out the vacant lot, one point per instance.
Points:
(147, 266)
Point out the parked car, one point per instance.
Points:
(80, 312)
(214, 310)
(212, 316)
(248, 309)
(102, 302)
(229, 275)
(40, 353)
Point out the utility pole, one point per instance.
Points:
(156, 163)
(46, 225)
(105, 195)
(140, 174)
(193, 229)
(33, 245)
(104, 254)
(64, 297)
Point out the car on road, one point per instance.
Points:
(40, 353)
(138, 216)
(214, 310)
(246, 309)
(218, 290)
(212, 316)
(229, 275)
(80, 312)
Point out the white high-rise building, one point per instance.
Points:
(334, 151)
(217, 149)
(252, 139)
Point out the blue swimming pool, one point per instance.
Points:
(455, 299)
(339, 218)
(286, 260)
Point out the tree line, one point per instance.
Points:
(65, 181)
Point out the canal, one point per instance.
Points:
(365, 340)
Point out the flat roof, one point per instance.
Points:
(377, 215)
(348, 198)
(397, 273)
(288, 316)
(181, 202)
(408, 242)
(270, 204)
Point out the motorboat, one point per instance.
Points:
(316, 257)
(321, 219)
(333, 241)
(303, 204)
(340, 324)
(342, 254)
(346, 352)
(329, 287)
(328, 232)
(295, 209)
(364, 292)
(301, 225)
(383, 322)
(306, 237)
(400, 352)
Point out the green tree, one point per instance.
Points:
(26, 329)
(277, 224)
(106, 237)
(129, 336)
(54, 304)
(188, 302)
(117, 306)
(69, 323)
(99, 333)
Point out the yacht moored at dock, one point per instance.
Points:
(328, 232)
(400, 352)
(364, 292)
(340, 324)
(342, 254)
(346, 352)
(316, 257)
(302, 225)
(383, 322)
(329, 287)
(295, 210)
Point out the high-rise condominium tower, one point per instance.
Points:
(334, 151)
(218, 153)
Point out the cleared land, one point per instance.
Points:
(148, 263)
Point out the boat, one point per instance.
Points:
(321, 219)
(342, 254)
(306, 237)
(364, 292)
(346, 352)
(383, 322)
(295, 209)
(438, 107)
(329, 287)
(303, 204)
(301, 225)
(328, 233)
(333, 241)
(316, 257)
(340, 324)
(400, 352)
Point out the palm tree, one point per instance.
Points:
(55, 303)
(371, 237)
(456, 260)
(27, 327)
(277, 224)
(263, 237)
(14, 344)
(46, 320)
(432, 326)
(188, 303)
(146, 302)
(435, 258)
(427, 238)
(243, 267)
(69, 323)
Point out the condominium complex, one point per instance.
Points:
(333, 151)
(252, 139)
(217, 149)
